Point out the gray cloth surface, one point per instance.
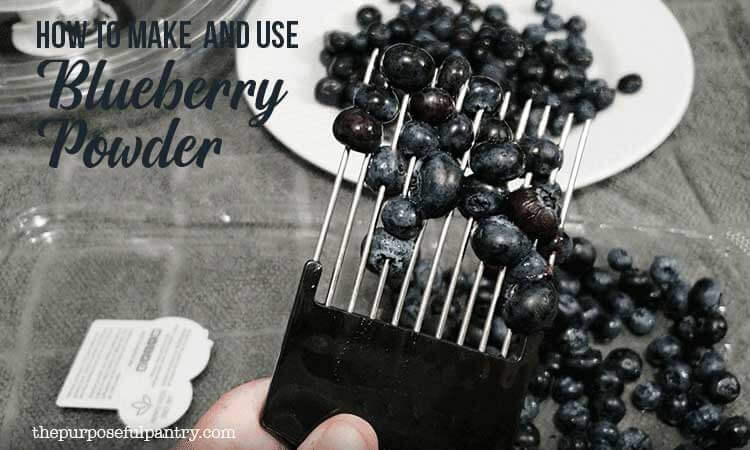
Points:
(225, 244)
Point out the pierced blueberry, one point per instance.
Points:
(703, 419)
(626, 362)
(493, 129)
(573, 341)
(673, 409)
(675, 377)
(710, 364)
(603, 432)
(560, 244)
(734, 432)
(337, 41)
(401, 218)
(408, 67)
(641, 322)
(418, 139)
(705, 296)
(608, 407)
(381, 104)
(432, 105)
(498, 242)
(328, 91)
(723, 388)
(456, 135)
(496, 163)
(386, 168)
(541, 382)
(479, 199)
(530, 409)
(542, 156)
(387, 247)
(572, 417)
(662, 350)
(532, 308)
(583, 256)
(634, 439)
(483, 93)
(584, 110)
(368, 15)
(379, 36)
(605, 381)
(454, 73)
(647, 396)
(357, 130)
(535, 211)
(437, 185)
(528, 437)
(630, 84)
(576, 25)
(675, 305)
(619, 260)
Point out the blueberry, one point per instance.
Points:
(381, 104)
(401, 218)
(437, 185)
(626, 362)
(576, 25)
(605, 380)
(603, 98)
(343, 66)
(560, 244)
(675, 377)
(496, 163)
(483, 93)
(723, 388)
(418, 139)
(495, 70)
(438, 50)
(479, 199)
(673, 409)
(472, 10)
(567, 284)
(530, 409)
(325, 57)
(533, 267)
(357, 130)
(635, 283)
(553, 22)
(379, 35)
(675, 304)
(360, 44)
(685, 329)
(528, 437)
(337, 41)
(583, 364)
(576, 40)
(662, 350)
(559, 76)
(630, 84)
(542, 156)
(387, 247)
(541, 382)
(573, 341)
(607, 328)
(509, 44)
(616, 302)
(619, 260)
(495, 15)
(463, 36)
(328, 91)
(569, 313)
(401, 30)
(572, 417)
(688, 446)
(572, 443)
(647, 396)
(705, 296)
(423, 37)
(603, 282)
(608, 407)
(492, 129)
(408, 67)
(498, 330)
(386, 168)
(432, 105)
(584, 110)
(665, 270)
(531, 68)
(580, 56)
(603, 432)
(536, 211)
(641, 321)
(368, 15)
(532, 308)
(582, 258)
(711, 329)
(536, 92)
(703, 419)
(634, 439)
(566, 388)
(543, 6)
(497, 241)
(456, 135)
(553, 362)
(734, 432)
(710, 363)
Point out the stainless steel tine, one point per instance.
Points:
(413, 261)
(480, 267)
(462, 249)
(403, 108)
(563, 143)
(340, 174)
(501, 275)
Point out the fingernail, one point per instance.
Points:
(342, 435)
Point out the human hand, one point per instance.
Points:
(240, 409)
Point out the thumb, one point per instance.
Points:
(342, 432)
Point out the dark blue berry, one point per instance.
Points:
(543, 6)
(705, 296)
(675, 304)
(647, 396)
(584, 110)
(608, 407)
(542, 156)
(572, 417)
(710, 364)
(493, 129)
(583, 364)
(386, 168)
(566, 388)
(530, 409)
(626, 362)
(540, 383)
(605, 380)
(573, 341)
(641, 321)
(685, 329)
(576, 40)
(603, 432)
(607, 327)
(711, 329)
(630, 84)
(703, 419)
(536, 210)
(554, 22)
(616, 302)
(528, 437)
(509, 44)
(437, 186)
(328, 91)
(572, 443)
(337, 41)
(418, 139)
(497, 241)
(496, 163)
(368, 15)
(560, 244)
(495, 15)
(357, 130)
(582, 258)
(535, 33)
(665, 270)
(619, 260)
(569, 313)
(498, 330)
(387, 247)
(532, 308)
(456, 135)
(533, 267)
(566, 283)
(675, 377)
(401, 30)
(381, 104)
(401, 218)
(734, 432)
(634, 439)
(379, 36)
(576, 25)
(553, 362)
(432, 105)
(662, 350)
(483, 94)
(479, 199)
(531, 68)
(673, 409)
(408, 67)
(723, 388)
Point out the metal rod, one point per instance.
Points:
(470, 304)
(563, 143)
(381, 287)
(407, 279)
(491, 312)
(366, 249)
(347, 231)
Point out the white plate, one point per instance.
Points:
(625, 36)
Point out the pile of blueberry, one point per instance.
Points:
(530, 63)
(692, 383)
